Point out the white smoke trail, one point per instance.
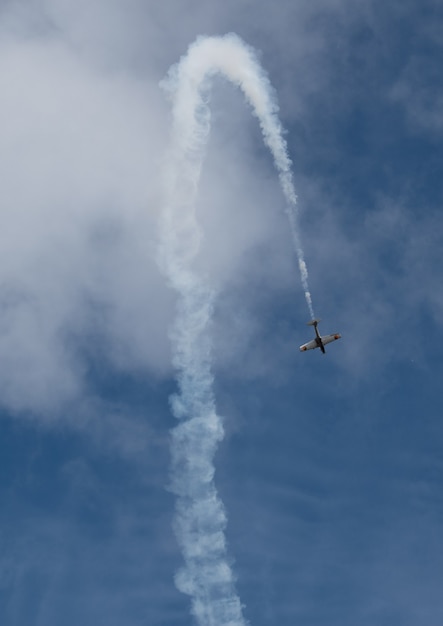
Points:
(232, 58)
(200, 518)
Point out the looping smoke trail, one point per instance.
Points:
(200, 517)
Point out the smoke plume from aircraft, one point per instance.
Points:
(200, 517)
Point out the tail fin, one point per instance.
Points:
(314, 322)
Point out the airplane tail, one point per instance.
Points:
(313, 322)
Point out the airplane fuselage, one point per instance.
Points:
(318, 340)
(320, 344)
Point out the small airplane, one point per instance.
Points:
(318, 342)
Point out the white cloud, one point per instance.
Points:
(79, 201)
(420, 91)
(419, 86)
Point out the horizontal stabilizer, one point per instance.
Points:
(314, 322)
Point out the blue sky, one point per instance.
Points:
(331, 467)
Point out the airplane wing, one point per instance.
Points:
(308, 346)
(328, 338)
